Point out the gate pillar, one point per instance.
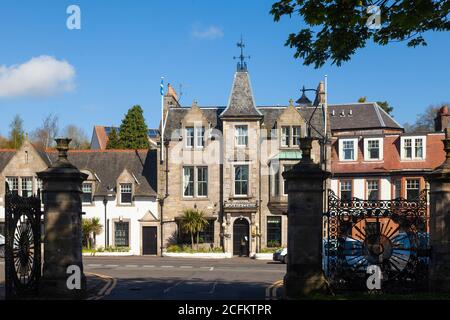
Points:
(439, 270)
(62, 188)
(305, 213)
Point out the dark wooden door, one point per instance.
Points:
(149, 240)
(241, 238)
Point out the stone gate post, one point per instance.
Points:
(62, 188)
(305, 213)
(439, 268)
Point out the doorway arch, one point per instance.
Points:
(241, 238)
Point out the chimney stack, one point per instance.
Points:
(442, 119)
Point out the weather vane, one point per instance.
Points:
(242, 65)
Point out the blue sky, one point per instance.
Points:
(124, 47)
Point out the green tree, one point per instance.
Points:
(16, 134)
(133, 130)
(386, 107)
(86, 229)
(192, 222)
(91, 227)
(335, 29)
(96, 228)
(113, 141)
(383, 104)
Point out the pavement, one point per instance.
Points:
(157, 278)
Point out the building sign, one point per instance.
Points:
(240, 205)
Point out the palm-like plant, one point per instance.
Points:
(86, 229)
(192, 222)
(96, 228)
(189, 223)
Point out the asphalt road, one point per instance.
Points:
(182, 279)
(143, 278)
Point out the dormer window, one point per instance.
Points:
(126, 193)
(348, 149)
(86, 196)
(241, 132)
(296, 135)
(200, 137)
(373, 149)
(27, 187)
(412, 148)
(285, 136)
(190, 137)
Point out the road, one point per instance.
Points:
(142, 278)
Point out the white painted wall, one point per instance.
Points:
(133, 212)
(359, 186)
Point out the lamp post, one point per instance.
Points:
(105, 202)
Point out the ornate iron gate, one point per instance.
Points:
(23, 245)
(391, 234)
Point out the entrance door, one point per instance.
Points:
(149, 240)
(241, 237)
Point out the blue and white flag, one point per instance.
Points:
(162, 86)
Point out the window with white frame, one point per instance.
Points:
(27, 187)
(13, 184)
(241, 133)
(195, 181)
(373, 149)
(202, 181)
(188, 181)
(285, 136)
(286, 167)
(348, 149)
(372, 190)
(412, 189)
(189, 137)
(241, 180)
(126, 193)
(275, 173)
(346, 190)
(86, 196)
(413, 148)
(296, 135)
(200, 137)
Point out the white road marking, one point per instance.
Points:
(205, 267)
(131, 266)
(148, 266)
(94, 265)
(166, 266)
(211, 269)
(111, 265)
(186, 267)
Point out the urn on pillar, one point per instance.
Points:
(305, 182)
(63, 276)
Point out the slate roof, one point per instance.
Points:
(5, 156)
(241, 101)
(107, 165)
(367, 115)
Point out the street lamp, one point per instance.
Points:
(105, 203)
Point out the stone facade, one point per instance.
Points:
(256, 215)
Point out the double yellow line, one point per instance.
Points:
(106, 289)
(271, 291)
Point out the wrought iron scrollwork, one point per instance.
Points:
(392, 234)
(23, 245)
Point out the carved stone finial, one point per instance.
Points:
(195, 103)
(62, 145)
(306, 147)
(291, 102)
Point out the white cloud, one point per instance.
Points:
(40, 76)
(209, 33)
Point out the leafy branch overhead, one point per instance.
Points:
(335, 29)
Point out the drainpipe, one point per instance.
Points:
(161, 200)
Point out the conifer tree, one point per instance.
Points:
(114, 141)
(133, 130)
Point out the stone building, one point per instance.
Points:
(120, 191)
(227, 161)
